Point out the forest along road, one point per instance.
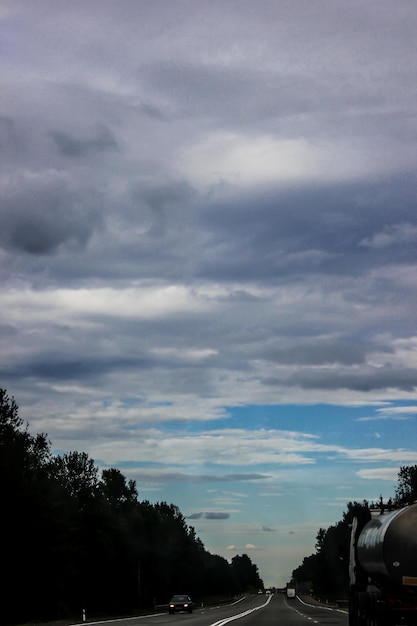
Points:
(252, 610)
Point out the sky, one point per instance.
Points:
(208, 268)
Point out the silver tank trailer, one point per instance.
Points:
(387, 547)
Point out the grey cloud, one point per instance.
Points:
(182, 478)
(168, 202)
(366, 379)
(195, 90)
(102, 140)
(320, 353)
(9, 140)
(195, 516)
(8, 330)
(52, 367)
(209, 515)
(260, 236)
(42, 211)
(393, 235)
(212, 515)
(266, 529)
(278, 94)
(154, 112)
(164, 194)
(6, 127)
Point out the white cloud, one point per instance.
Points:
(379, 473)
(398, 410)
(382, 454)
(228, 448)
(232, 447)
(391, 413)
(246, 161)
(398, 234)
(186, 354)
(141, 301)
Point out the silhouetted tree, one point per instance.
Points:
(406, 491)
(326, 571)
(73, 537)
(118, 492)
(246, 574)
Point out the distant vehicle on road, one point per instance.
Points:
(180, 603)
(290, 592)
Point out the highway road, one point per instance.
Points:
(259, 610)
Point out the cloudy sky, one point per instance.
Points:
(208, 252)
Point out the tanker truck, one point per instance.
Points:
(383, 568)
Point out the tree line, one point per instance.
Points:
(326, 572)
(76, 538)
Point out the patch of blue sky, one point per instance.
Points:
(351, 425)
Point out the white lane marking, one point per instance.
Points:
(121, 619)
(327, 608)
(125, 619)
(318, 606)
(226, 620)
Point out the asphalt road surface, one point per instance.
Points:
(259, 610)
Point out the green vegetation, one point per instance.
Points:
(74, 537)
(326, 571)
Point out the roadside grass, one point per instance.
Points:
(202, 602)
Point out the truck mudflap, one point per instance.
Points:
(357, 608)
(375, 609)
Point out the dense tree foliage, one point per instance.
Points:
(246, 573)
(406, 490)
(326, 571)
(75, 538)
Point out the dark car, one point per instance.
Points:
(180, 603)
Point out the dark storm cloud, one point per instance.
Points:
(102, 140)
(282, 234)
(42, 211)
(52, 368)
